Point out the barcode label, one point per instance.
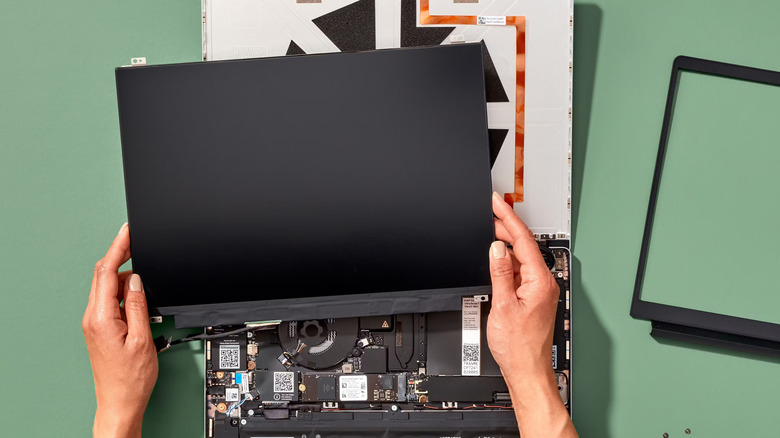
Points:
(491, 20)
(471, 355)
(353, 388)
(555, 357)
(229, 357)
(242, 379)
(471, 318)
(231, 394)
(283, 381)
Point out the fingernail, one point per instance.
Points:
(123, 227)
(135, 283)
(498, 249)
(497, 196)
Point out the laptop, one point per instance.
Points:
(325, 219)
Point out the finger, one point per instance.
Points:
(91, 301)
(122, 280)
(503, 235)
(501, 231)
(119, 251)
(106, 302)
(502, 275)
(136, 310)
(515, 264)
(523, 242)
(121, 291)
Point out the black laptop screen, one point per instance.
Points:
(307, 176)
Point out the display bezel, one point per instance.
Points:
(736, 329)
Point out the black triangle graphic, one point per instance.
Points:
(294, 49)
(411, 35)
(494, 89)
(496, 138)
(351, 28)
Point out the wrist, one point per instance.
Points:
(531, 390)
(112, 423)
(538, 407)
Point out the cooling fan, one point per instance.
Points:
(318, 344)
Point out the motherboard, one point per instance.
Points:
(392, 375)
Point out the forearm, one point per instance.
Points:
(117, 425)
(539, 409)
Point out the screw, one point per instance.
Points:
(666, 435)
(394, 408)
(250, 412)
(243, 422)
(687, 430)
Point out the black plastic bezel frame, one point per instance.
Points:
(689, 324)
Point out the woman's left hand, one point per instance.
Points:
(120, 345)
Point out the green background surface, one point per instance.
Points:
(62, 202)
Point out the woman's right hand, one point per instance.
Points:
(521, 325)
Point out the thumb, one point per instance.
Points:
(136, 310)
(502, 274)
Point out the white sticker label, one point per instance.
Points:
(283, 382)
(353, 388)
(555, 357)
(470, 337)
(244, 382)
(229, 355)
(231, 394)
(491, 20)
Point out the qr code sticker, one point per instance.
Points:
(229, 356)
(470, 352)
(231, 394)
(283, 381)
